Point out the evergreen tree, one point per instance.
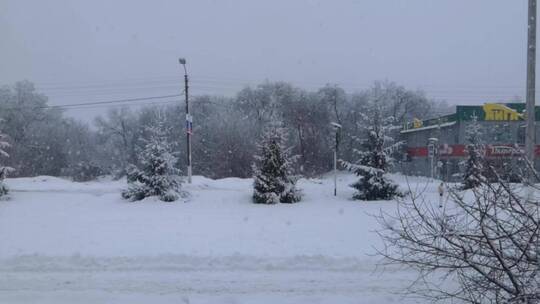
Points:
(474, 165)
(156, 175)
(374, 158)
(4, 170)
(273, 179)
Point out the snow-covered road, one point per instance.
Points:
(228, 280)
(64, 242)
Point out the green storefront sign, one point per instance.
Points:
(486, 112)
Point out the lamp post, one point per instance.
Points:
(189, 119)
(337, 128)
(432, 154)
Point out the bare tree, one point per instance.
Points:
(481, 248)
(119, 131)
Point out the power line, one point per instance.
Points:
(113, 101)
(212, 85)
(200, 86)
(123, 105)
(212, 89)
(108, 102)
(213, 79)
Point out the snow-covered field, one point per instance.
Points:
(65, 242)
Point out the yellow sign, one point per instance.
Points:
(495, 111)
(417, 123)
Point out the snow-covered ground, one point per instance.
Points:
(66, 242)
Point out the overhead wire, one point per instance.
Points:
(207, 78)
(101, 103)
(228, 89)
(213, 85)
(124, 105)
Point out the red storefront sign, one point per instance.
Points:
(461, 151)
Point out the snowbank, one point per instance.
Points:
(55, 231)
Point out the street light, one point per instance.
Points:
(337, 128)
(433, 144)
(189, 119)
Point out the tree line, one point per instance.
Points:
(45, 141)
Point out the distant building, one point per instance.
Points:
(440, 142)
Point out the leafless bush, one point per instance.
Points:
(482, 247)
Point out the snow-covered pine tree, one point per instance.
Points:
(474, 165)
(273, 179)
(374, 157)
(156, 175)
(4, 170)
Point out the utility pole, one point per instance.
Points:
(337, 128)
(530, 140)
(189, 119)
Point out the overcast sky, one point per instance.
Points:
(463, 51)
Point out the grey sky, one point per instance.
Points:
(464, 51)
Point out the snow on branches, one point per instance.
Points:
(484, 249)
(374, 157)
(156, 175)
(4, 170)
(273, 179)
(474, 165)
